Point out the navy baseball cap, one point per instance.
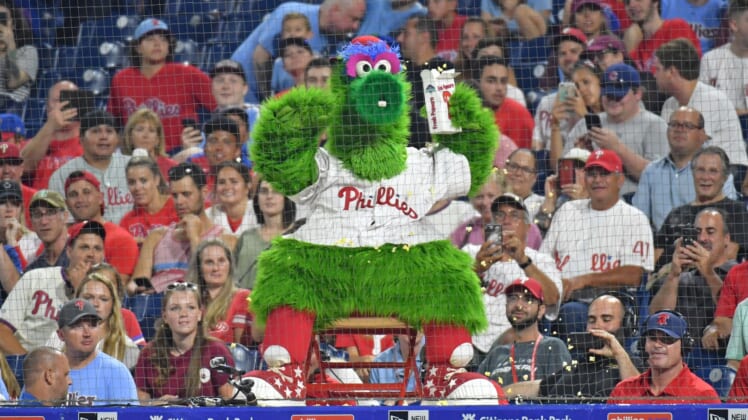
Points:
(619, 79)
(667, 322)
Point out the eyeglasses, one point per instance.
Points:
(675, 125)
(522, 298)
(38, 214)
(511, 166)
(664, 339)
(181, 286)
(514, 216)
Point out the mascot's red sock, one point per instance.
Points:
(448, 351)
(288, 333)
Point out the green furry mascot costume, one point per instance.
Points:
(365, 248)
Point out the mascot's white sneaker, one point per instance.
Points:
(452, 386)
(279, 387)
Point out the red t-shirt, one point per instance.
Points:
(173, 93)
(120, 249)
(686, 388)
(734, 290)
(211, 381)
(139, 223)
(237, 317)
(739, 389)
(363, 343)
(27, 193)
(449, 37)
(164, 164)
(58, 154)
(643, 55)
(515, 122)
(132, 327)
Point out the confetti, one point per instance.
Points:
(406, 247)
(468, 228)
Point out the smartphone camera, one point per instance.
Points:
(689, 235)
(494, 235)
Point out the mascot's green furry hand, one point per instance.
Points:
(479, 137)
(286, 138)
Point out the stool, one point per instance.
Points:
(365, 325)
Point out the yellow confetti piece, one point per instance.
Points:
(511, 359)
(592, 358)
(468, 228)
(406, 247)
(568, 368)
(579, 393)
(487, 373)
(525, 377)
(501, 381)
(564, 363)
(509, 391)
(394, 248)
(443, 402)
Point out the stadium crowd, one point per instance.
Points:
(610, 240)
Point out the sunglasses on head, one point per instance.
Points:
(180, 286)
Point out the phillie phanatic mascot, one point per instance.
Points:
(365, 248)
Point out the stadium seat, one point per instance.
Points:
(147, 310)
(215, 52)
(187, 51)
(236, 27)
(66, 61)
(97, 81)
(245, 359)
(711, 367)
(116, 28)
(34, 115)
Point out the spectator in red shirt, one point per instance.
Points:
(153, 207)
(513, 119)
(86, 202)
(226, 314)
(172, 90)
(56, 142)
(668, 380)
(648, 31)
(449, 24)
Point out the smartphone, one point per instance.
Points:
(689, 235)
(592, 120)
(143, 282)
(189, 122)
(80, 99)
(494, 234)
(3, 18)
(582, 342)
(567, 173)
(566, 90)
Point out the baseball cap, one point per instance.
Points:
(222, 124)
(606, 159)
(228, 66)
(579, 3)
(96, 118)
(149, 25)
(86, 226)
(529, 285)
(299, 42)
(11, 189)
(619, 79)
(9, 152)
(572, 34)
(577, 153)
(508, 199)
(53, 198)
(82, 176)
(668, 322)
(10, 125)
(606, 43)
(74, 311)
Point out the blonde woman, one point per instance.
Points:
(145, 131)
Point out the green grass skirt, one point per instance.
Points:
(429, 282)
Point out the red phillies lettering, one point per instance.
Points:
(494, 288)
(603, 262)
(386, 196)
(43, 302)
(115, 198)
(561, 262)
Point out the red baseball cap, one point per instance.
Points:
(528, 285)
(84, 176)
(572, 34)
(606, 159)
(11, 152)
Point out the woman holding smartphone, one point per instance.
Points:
(18, 58)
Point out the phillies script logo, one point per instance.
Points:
(115, 197)
(603, 262)
(386, 196)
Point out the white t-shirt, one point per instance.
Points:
(583, 240)
(720, 120)
(727, 72)
(497, 278)
(351, 212)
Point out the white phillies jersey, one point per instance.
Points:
(32, 307)
(583, 240)
(352, 212)
(496, 279)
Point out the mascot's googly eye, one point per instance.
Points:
(363, 68)
(383, 65)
